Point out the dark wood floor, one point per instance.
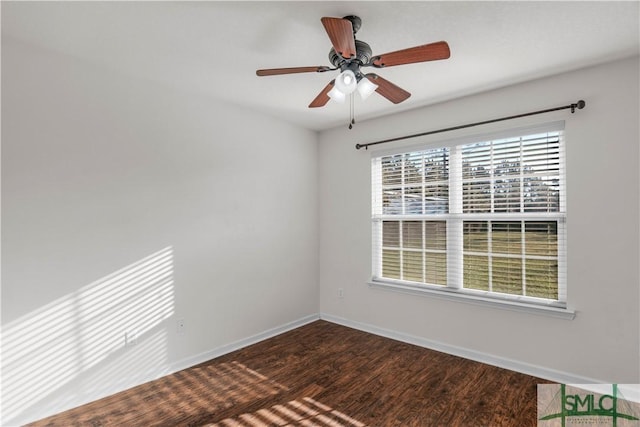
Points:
(322, 374)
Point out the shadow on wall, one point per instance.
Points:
(107, 334)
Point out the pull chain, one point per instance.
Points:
(352, 120)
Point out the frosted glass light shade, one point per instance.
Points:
(346, 82)
(366, 87)
(336, 95)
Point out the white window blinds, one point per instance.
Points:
(483, 217)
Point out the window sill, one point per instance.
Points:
(471, 298)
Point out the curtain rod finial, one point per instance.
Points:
(579, 105)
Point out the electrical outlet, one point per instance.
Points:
(130, 338)
(340, 293)
(180, 326)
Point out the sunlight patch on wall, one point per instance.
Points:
(111, 323)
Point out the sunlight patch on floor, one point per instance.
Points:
(300, 412)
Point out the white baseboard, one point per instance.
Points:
(501, 362)
(159, 371)
(489, 359)
(237, 345)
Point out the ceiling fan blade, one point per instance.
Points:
(292, 70)
(387, 89)
(323, 97)
(426, 52)
(340, 33)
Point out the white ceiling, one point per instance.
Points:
(215, 47)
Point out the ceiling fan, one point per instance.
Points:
(350, 55)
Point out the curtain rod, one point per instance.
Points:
(579, 105)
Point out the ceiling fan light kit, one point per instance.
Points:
(346, 82)
(366, 87)
(337, 95)
(348, 55)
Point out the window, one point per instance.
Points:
(482, 217)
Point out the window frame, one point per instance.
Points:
(455, 220)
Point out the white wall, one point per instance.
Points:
(603, 341)
(128, 205)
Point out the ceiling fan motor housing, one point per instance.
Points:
(363, 56)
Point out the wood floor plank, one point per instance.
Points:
(322, 374)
